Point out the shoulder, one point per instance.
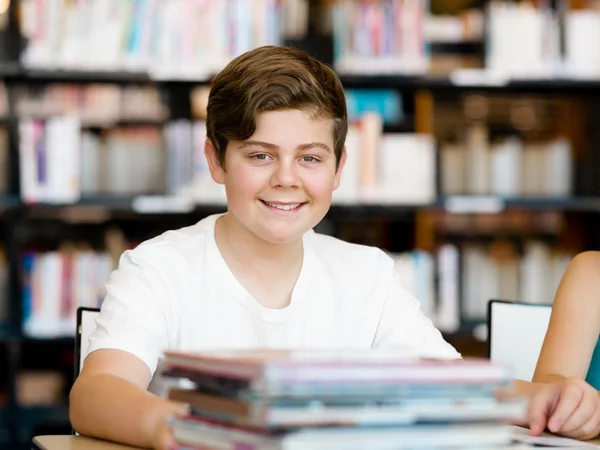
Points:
(351, 257)
(582, 272)
(173, 253)
(589, 260)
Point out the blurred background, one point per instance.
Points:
(474, 153)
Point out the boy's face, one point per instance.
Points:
(279, 182)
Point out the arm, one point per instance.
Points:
(137, 322)
(560, 398)
(109, 400)
(574, 324)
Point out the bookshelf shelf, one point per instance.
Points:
(458, 204)
(51, 418)
(442, 83)
(49, 75)
(8, 332)
(58, 340)
(446, 84)
(107, 202)
(492, 204)
(4, 428)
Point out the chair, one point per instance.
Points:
(86, 325)
(516, 332)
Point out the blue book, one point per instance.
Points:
(385, 102)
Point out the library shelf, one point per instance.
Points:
(162, 204)
(478, 81)
(459, 83)
(8, 332)
(4, 426)
(40, 419)
(496, 204)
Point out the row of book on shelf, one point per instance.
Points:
(520, 40)
(453, 283)
(60, 162)
(506, 167)
(95, 104)
(196, 38)
(174, 39)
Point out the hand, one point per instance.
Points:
(162, 438)
(570, 408)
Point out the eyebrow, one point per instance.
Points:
(275, 147)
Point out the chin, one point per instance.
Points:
(280, 238)
(280, 235)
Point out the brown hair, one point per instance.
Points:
(271, 78)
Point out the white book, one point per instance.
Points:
(348, 191)
(582, 60)
(474, 266)
(558, 180)
(448, 313)
(536, 271)
(407, 168)
(63, 151)
(50, 298)
(213, 436)
(506, 162)
(424, 285)
(453, 168)
(91, 164)
(478, 165)
(29, 133)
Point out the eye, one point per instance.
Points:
(309, 159)
(261, 157)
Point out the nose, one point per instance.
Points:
(285, 174)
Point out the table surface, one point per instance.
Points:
(70, 442)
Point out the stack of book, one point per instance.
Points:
(343, 400)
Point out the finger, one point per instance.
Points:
(167, 440)
(589, 430)
(539, 409)
(584, 412)
(569, 399)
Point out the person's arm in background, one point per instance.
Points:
(109, 400)
(574, 323)
(561, 400)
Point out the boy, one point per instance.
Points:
(257, 276)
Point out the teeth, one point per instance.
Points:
(284, 207)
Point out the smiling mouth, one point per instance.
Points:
(283, 207)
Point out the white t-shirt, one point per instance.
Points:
(176, 291)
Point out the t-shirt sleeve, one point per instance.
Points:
(135, 311)
(403, 324)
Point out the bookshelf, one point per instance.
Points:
(414, 223)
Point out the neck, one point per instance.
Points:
(239, 243)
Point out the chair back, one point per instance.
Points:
(516, 333)
(86, 325)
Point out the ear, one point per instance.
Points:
(338, 174)
(216, 171)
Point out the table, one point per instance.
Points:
(70, 442)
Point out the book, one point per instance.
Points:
(344, 411)
(268, 367)
(207, 434)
